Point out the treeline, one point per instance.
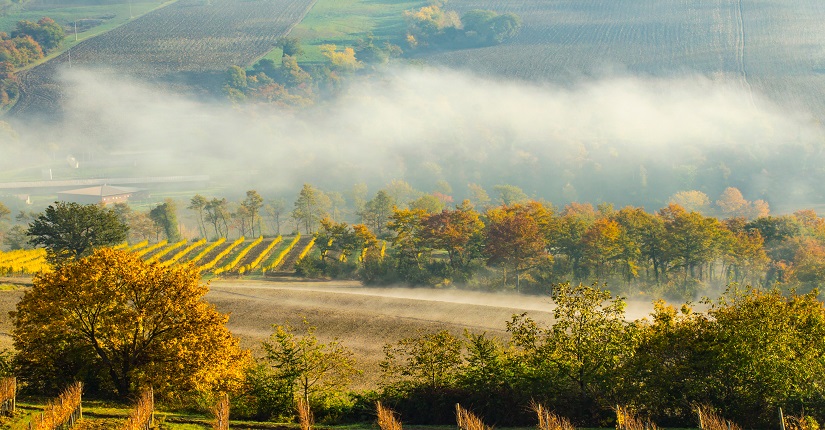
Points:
(28, 43)
(530, 245)
(750, 353)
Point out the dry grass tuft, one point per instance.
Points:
(627, 420)
(387, 418)
(221, 413)
(142, 414)
(61, 411)
(466, 420)
(800, 423)
(305, 415)
(550, 421)
(710, 420)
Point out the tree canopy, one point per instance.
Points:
(71, 230)
(118, 324)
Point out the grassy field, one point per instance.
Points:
(98, 19)
(343, 22)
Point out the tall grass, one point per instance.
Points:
(8, 394)
(142, 414)
(466, 420)
(387, 419)
(65, 409)
(710, 420)
(627, 420)
(305, 417)
(221, 413)
(550, 421)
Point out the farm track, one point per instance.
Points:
(185, 46)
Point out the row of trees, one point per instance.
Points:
(528, 246)
(432, 26)
(28, 43)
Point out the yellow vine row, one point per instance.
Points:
(138, 245)
(149, 249)
(183, 252)
(165, 251)
(60, 411)
(283, 254)
(140, 417)
(251, 266)
(306, 249)
(223, 253)
(239, 257)
(206, 250)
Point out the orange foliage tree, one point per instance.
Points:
(113, 320)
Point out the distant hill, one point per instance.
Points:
(775, 47)
(187, 45)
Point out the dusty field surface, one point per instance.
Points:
(363, 318)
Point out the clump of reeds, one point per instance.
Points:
(387, 418)
(550, 421)
(221, 413)
(62, 410)
(142, 414)
(710, 420)
(466, 420)
(627, 420)
(304, 414)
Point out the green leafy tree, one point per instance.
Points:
(309, 368)
(291, 46)
(165, 217)
(253, 204)
(198, 205)
(377, 212)
(70, 231)
(311, 207)
(431, 360)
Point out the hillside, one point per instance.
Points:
(771, 47)
(187, 45)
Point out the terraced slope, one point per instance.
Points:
(187, 45)
(772, 47)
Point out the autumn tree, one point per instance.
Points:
(514, 238)
(113, 320)
(70, 231)
(459, 232)
(309, 368)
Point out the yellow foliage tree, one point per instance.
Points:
(343, 60)
(120, 322)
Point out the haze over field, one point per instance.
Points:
(622, 101)
(624, 139)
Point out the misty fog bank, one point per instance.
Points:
(622, 139)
